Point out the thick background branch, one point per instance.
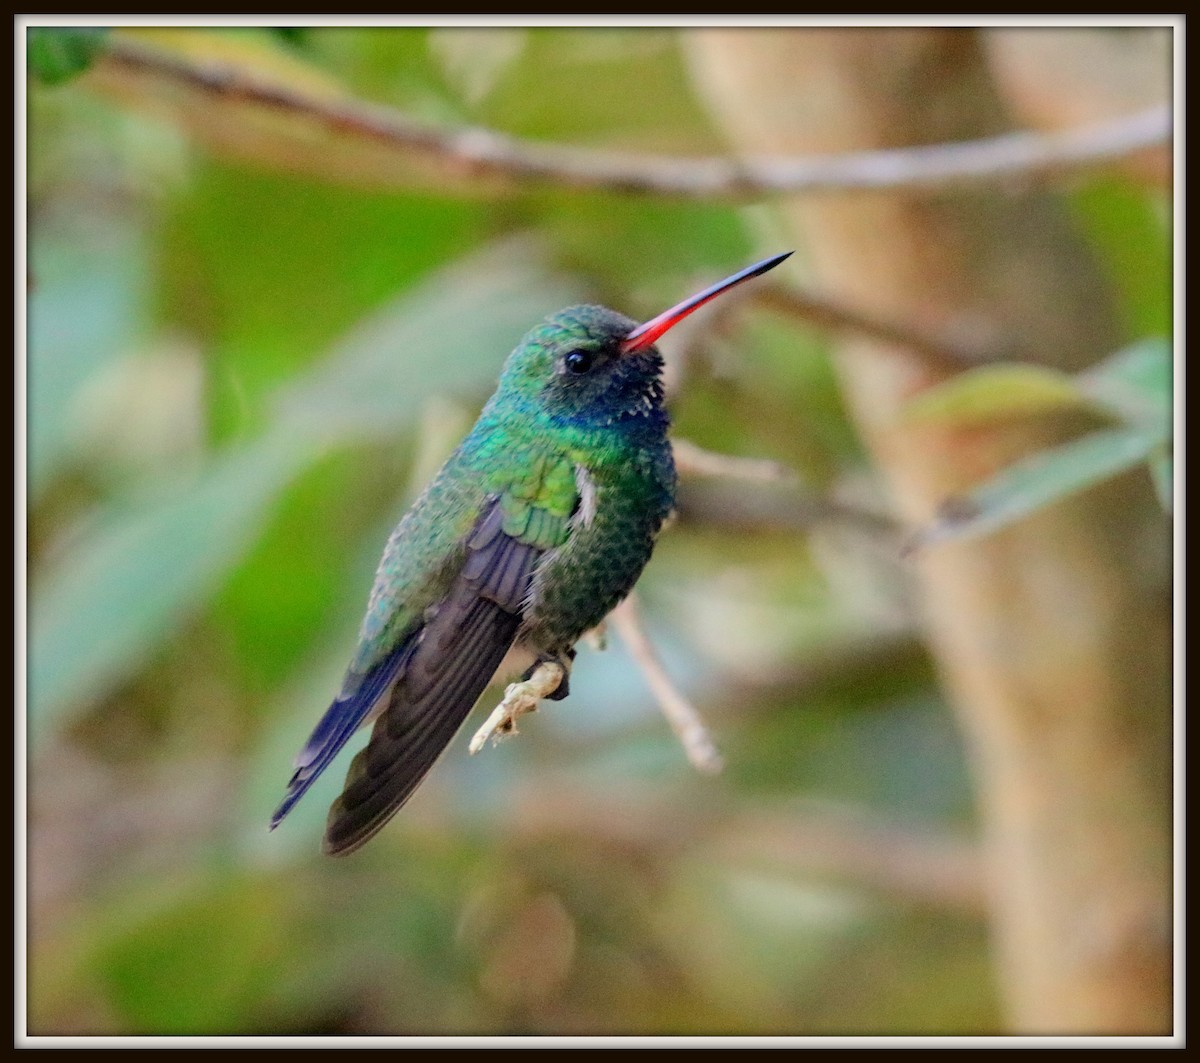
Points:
(1053, 637)
(309, 115)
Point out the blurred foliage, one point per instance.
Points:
(57, 55)
(238, 378)
(1133, 387)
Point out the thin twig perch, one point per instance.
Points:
(680, 713)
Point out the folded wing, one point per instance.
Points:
(347, 713)
(441, 672)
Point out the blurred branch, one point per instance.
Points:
(520, 698)
(824, 313)
(821, 312)
(691, 460)
(1079, 859)
(681, 714)
(917, 866)
(740, 503)
(735, 508)
(474, 152)
(1064, 76)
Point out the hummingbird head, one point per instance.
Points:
(572, 368)
(590, 365)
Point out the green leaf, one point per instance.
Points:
(58, 54)
(128, 582)
(1133, 385)
(1136, 384)
(86, 308)
(995, 392)
(1037, 481)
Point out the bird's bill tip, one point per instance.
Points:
(645, 335)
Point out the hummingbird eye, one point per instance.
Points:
(578, 362)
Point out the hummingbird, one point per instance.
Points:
(534, 529)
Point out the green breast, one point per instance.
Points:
(623, 502)
(597, 527)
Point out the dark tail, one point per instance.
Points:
(451, 664)
(347, 713)
(427, 707)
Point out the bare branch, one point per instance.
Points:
(519, 699)
(691, 460)
(749, 506)
(793, 512)
(680, 713)
(829, 314)
(790, 510)
(476, 153)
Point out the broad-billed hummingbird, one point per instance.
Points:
(534, 529)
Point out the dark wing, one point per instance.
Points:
(347, 713)
(450, 663)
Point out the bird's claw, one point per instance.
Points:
(519, 699)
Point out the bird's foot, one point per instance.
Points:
(519, 698)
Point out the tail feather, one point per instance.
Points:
(431, 681)
(415, 728)
(342, 718)
(452, 663)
